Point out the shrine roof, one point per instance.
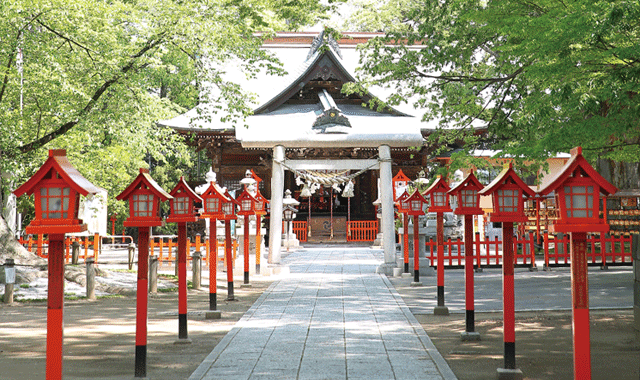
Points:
(289, 124)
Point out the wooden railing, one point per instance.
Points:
(362, 230)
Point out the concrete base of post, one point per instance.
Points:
(478, 270)
(509, 374)
(407, 275)
(386, 268)
(183, 341)
(397, 272)
(91, 279)
(416, 284)
(274, 270)
(212, 314)
(153, 274)
(245, 285)
(8, 294)
(469, 336)
(196, 270)
(440, 310)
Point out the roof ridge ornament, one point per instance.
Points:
(324, 39)
(331, 120)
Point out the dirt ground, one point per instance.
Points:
(99, 339)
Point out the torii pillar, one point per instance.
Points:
(275, 215)
(386, 198)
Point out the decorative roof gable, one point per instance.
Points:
(144, 179)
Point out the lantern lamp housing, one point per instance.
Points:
(183, 203)
(467, 196)
(577, 189)
(229, 206)
(508, 191)
(57, 187)
(261, 203)
(247, 203)
(438, 196)
(144, 196)
(416, 203)
(213, 198)
(403, 205)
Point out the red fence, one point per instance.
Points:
(363, 230)
(488, 253)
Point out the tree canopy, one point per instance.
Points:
(95, 76)
(541, 77)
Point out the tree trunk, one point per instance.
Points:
(11, 249)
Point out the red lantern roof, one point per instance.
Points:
(57, 172)
(143, 191)
(467, 195)
(400, 177)
(441, 186)
(247, 203)
(213, 197)
(182, 205)
(416, 202)
(577, 188)
(507, 191)
(233, 201)
(260, 198)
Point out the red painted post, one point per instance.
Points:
(142, 302)
(183, 335)
(580, 305)
(227, 252)
(508, 297)
(55, 314)
(258, 242)
(441, 309)
(246, 250)
(405, 236)
(469, 280)
(416, 251)
(213, 265)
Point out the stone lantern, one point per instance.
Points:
(56, 187)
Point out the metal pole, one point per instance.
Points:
(416, 253)
(508, 298)
(213, 265)
(469, 333)
(246, 250)
(405, 224)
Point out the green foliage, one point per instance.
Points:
(94, 77)
(542, 77)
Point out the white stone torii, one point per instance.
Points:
(386, 195)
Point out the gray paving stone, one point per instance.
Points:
(331, 318)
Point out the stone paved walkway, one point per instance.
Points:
(331, 318)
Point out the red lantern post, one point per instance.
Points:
(229, 210)
(468, 204)
(439, 203)
(577, 189)
(416, 201)
(212, 199)
(247, 208)
(508, 192)
(183, 211)
(144, 196)
(261, 209)
(403, 208)
(57, 187)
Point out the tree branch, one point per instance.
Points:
(68, 39)
(66, 127)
